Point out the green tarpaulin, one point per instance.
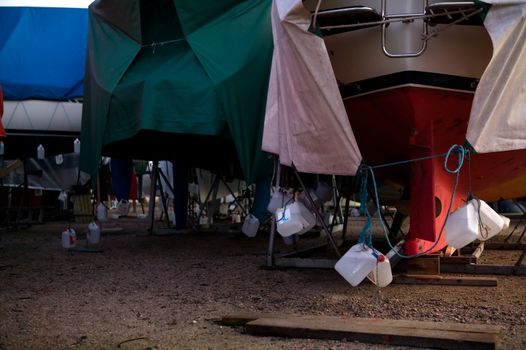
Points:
(169, 79)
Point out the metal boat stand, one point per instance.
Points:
(211, 196)
(300, 258)
(507, 244)
(155, 180)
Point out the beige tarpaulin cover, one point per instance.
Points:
(498, 116)
(305, 122)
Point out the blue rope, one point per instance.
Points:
(400, 162)
(366, 233)
(461, 151)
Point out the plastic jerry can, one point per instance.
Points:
(286, 223)
(491, 222)
(69, 238)
(76, 146)
(250, 226)
(41, 152)
(381, 275)
(462, 226)
(101, 212)
(93, 235)
(357, 263)
(306, 217)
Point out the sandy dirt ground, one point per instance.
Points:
(165, 292)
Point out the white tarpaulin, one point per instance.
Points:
(498, 116)
(305, 122)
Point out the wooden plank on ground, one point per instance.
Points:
(391, 332)
(446, 280)
(243, 318)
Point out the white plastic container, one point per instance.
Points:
(294, 219)
(463, 226)
(93, 235)
(285, 224)
(69, 238)
(250, 226)
(101, 212)
(357, 263)
(76, 146)
(308, 219)
(41, 152)
(279, 199)
(381, 275)
(492, 222)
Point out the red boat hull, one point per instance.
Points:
(409, 122)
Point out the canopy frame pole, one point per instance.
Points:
(236, 198)
(348, 194)
(215, 184)
(163, 198)
(337, 196)
(153, 183)
(272, 235)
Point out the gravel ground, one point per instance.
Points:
(151, 292)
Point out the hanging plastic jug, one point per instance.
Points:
(294, 219)
(491, 223)
(93, 235)
(475, 220)
(250, 226)
(76, 146)
(69, 238)
(101, 212)
(41, 152)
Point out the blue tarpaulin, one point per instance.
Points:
(42, 52)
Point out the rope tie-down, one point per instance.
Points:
(367, 171)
